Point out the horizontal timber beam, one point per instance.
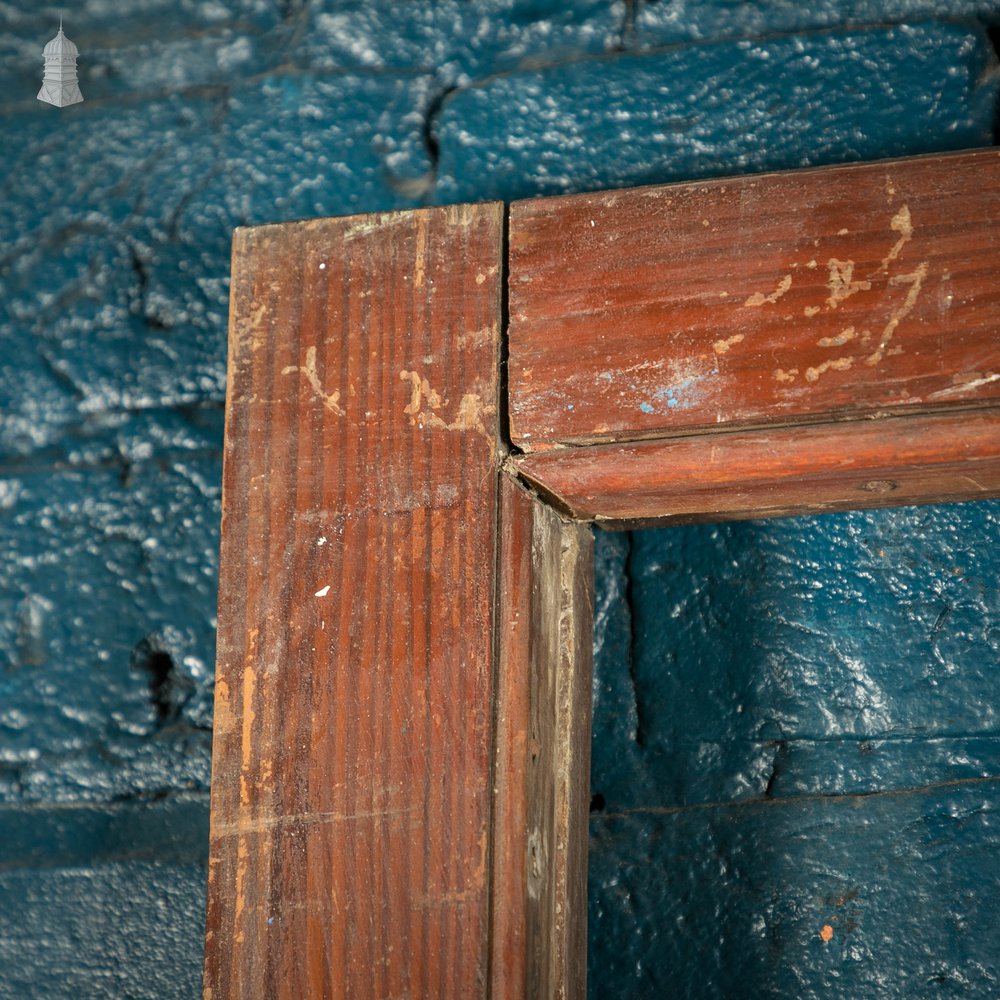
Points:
(775, 473)
(784, 298)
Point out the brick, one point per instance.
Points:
(708, 110)
(456, 40)
(125, 929)
(808, 656)
(732, 900)
(107, 619)
(671, 21)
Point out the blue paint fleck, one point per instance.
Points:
(645, 407)
(669, 394)
(270, 920)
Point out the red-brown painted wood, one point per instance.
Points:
(778, 471)
(542, 781)
(352, 764)
(773, 299)
(509, 942)
(403, 648)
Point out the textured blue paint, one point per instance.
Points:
(115, 225)
(171, 831)
(458, 41)
(730, 901)
(670, 21)
(717, 109)
(99, 561)
(125, 929)
(802, 656)
(789, 712)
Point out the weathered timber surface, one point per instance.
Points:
(509, 899)
(779, 471)
(562, 634)
(772, 299)
(543, 751)
(352, 756)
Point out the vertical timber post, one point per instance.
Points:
(543, 696)
(351, 787)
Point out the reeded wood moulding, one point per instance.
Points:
(400, 772)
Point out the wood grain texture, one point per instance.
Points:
(401, 758)
(352, 756)
(543, 752)
(509, 940)
(930, 458)
(562, 638)
(763, 300)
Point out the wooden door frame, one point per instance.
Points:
(426, 411)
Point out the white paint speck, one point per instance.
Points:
(323, 591)
(322, 540)
(592, 223)
(322, 265)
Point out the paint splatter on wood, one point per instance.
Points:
(842, 283)
(844, 337)
(760, 299)
(425, 402)
(722, 346)
(331, 400)
(915, 279)
(837, 364)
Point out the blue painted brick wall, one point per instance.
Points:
(115, 222)
(796, 727)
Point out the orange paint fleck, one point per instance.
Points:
(826, 933)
